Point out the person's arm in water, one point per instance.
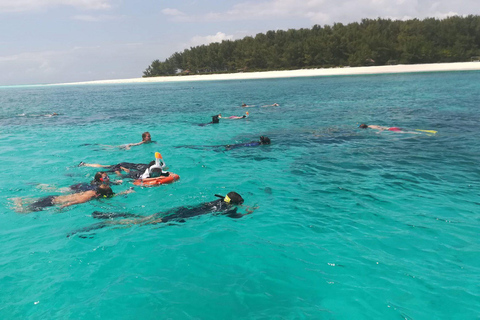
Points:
(128, 146)
(93, 165)
(124, 192)
(236, 215)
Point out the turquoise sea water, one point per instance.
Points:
(350, 224)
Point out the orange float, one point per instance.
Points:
(150, 182)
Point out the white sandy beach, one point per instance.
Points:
(434, 67)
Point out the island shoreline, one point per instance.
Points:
(345, 71)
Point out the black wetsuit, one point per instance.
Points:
(173, 215)
(182, 213)
(136, 169)
(42, 203)
(225, 147)
(128, 165)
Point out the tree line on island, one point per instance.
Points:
(370, 42)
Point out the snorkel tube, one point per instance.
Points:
(158, 164)
(224, 198)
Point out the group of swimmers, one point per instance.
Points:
(100, 188)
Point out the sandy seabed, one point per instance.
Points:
(406, 68)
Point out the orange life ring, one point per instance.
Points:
(172, 177)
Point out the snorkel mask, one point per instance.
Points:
(159, 163)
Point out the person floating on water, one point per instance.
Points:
(38, 115)
(381, 128)
(132, 170)
(244, 105)
(146, 138)
(103, 191)
(226, 205)
(100, 178)
(215, 119)
(238, 117)
(263, 141)
(272, 105)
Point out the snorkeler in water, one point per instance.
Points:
(263, 141)
(100, 178)
(237, 117)
(226, 205)
(215, 119)
(103, 191)
(38, 115)
(271, 105)
(381, 128)
(122, 169)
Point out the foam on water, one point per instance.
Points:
(350, 223)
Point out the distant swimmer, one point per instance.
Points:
(272, 105)
(263, 141)
(215, 119)
(226, 205)
(381, 128)
(38, 115)
(238, 117)
(103, 191)
(146, 138)
(244, 105)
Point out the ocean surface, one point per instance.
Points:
(350, 224)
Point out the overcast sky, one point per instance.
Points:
(54, 41)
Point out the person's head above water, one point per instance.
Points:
(101, 177)
(104, 191)
(215, 118)
(146, 137)
(363, 126)
(264, 140)
(232, 198)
